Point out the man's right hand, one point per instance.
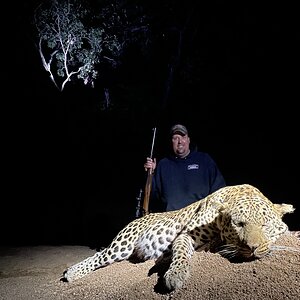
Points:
(150, 164)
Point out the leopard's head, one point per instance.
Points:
(249, 225)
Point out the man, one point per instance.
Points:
(184, 177)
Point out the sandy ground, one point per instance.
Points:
(34, 273)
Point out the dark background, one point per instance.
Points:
(72, 172)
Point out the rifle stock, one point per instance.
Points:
(148, 181)
(147, 192)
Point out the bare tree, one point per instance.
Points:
(70, 47)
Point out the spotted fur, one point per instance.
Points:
(239, 217)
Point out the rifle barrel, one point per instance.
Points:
(153, 140)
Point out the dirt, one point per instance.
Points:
(35, 273)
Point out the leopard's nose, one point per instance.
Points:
(261, 251)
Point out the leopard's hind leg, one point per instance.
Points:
(100, 259)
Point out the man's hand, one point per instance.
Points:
(150, 164)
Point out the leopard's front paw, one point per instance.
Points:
(175, 277)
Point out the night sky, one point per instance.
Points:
(71, 171)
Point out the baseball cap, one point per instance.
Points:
(179, 129)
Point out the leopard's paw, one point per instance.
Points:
(78, 270)
(175, 277)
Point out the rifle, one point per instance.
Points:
(148, 181)
(138, 207)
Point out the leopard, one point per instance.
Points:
(239, 219)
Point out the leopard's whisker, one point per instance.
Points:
(284, 248)
(228, 250)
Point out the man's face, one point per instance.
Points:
(181, 145)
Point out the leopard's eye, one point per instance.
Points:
(239, 224)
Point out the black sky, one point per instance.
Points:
(71, 171)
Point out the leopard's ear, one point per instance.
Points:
(283, 208)
(220, 206)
